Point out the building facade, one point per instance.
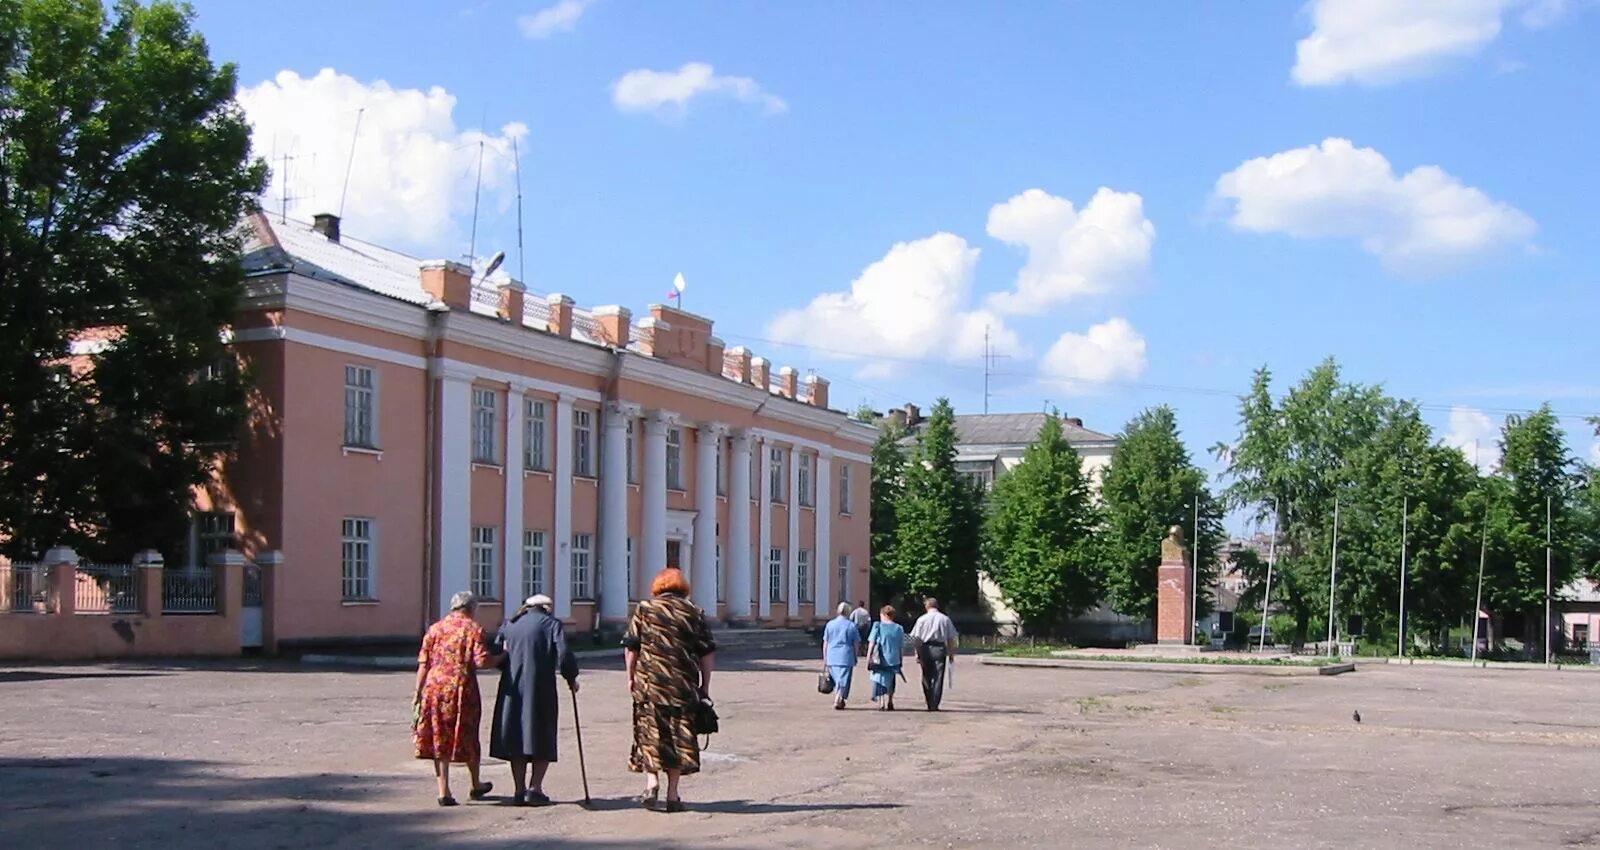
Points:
(420, 428)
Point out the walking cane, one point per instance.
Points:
(577, 727)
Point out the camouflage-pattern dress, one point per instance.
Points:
(670, 635)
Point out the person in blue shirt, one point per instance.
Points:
(839, 641)
(885, 650)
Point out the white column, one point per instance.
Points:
(614, 500)
(794, 531)
(560, 565)
(653, 525)
(822, 559)
(455, 484)
(765, 539)
(736, 558)
(703, 575)
(512, 592)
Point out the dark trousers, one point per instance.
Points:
(932, 656)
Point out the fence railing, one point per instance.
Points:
(189, 592)
(24, 587)
(106, 589)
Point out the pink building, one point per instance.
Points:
(419, 430)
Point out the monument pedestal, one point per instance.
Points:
(1174, 589)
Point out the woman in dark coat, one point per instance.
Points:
(669, 655)
(526, 709)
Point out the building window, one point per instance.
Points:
(484, 581)
(210, 532)
(979, 472)
(355, 559)
(844, 488)
(535, 431)
(483, 422)
(360, 407)
(775, 475)
(775, 575)
(633, 476)
(583, 443)
(633, 587)
(674, 459)
(722, 472)
(755, 478)
(804, 480)
(581, 544)
(533, 560)
(1580, 636)
(802, 573)
(844, 578)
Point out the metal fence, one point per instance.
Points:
(106, 589)
(24, 587)
(189, 592)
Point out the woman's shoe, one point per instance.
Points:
(448, 801)
(674, 806)
(481, 791)
(538, 798)
(650, 798)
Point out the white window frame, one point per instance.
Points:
(675, 459)
(775, 574)
(536, 435)
(775, 466)
(360, 387)
(483, 577)
(485, 424)
(844, 577)
(844, 488)
(583, 443)
(804, 481)
(358, 563)
(582, 566)
(535, 561)
(802, 571)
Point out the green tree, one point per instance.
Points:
(1040, 543)
(125, 170)
(937, 518)
(888, 483)
(1538, 470)
(1150, 486)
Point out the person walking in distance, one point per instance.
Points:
(935, 636)
(863, 620)
(528, 704)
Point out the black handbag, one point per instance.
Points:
(705, 717)
(825, 683)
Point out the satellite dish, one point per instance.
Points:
(494, 263)
(678, 282)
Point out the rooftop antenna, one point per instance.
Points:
(351, 161)
(516, 162)
(477, 187)
(283, 188)
(988, 363)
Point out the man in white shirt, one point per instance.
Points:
(863, 620)
(936, 643)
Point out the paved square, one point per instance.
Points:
(271, 756)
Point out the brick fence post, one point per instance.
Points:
(148, 568)
(270, 563)
(228, 568)
(62, 564)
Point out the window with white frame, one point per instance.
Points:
(360, 407)
(484, 582)
(533, 561)
(802, 573)
(775, 475)
(633, 475)
(536, 435)
(775, 575)
(844, 488)
(844, 578)
(484, 403)
(355, 559)
(582, 544)
(803, 480)
(210, 532)
(633, 586)
(583, 443)
(674, 459)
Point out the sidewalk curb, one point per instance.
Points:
(397, 662)
(1161, 667)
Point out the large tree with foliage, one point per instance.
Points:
(1150, 486)
(125, 170)
(888, 482)
(1538, 471)
(1040, 543)
(938, 517)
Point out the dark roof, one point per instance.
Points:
(1012, 429)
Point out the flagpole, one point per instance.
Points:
(1547, 578)
(1405, 518)
(1272, 557)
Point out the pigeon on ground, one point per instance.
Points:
(1356, 716)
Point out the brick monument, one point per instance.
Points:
(1174, 583)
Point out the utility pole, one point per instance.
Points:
(1272, 557)
(1194, 582)
(1477, 604)
(1333, 574)
(1547, 578)
(988, 364)
(1405, 517)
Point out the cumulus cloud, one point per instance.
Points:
(1071, 253)
(1423, 222)
(1373, 42)
(1476, 435)
(562, 17)
(1107, 352)
(411, 174)
(644, 90)
(914, 304)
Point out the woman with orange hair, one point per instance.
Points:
(669, 655)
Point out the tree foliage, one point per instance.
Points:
(1040, 542)
(938, 517)
(124, 173)
(888, 483)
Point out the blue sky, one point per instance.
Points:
(1407, 187)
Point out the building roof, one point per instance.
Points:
(1005, 430)
(1579, 590)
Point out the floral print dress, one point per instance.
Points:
(453, 650)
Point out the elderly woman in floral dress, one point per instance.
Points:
(449, 707)
(669, 657)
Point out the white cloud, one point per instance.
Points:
(1373, 42)
(1594, 452)
(1421, 223)
(643, 90)
(412, 173)
(1110, 351)
(910, 305)
(562, 17)
(1476, 435)
(1071, 253)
